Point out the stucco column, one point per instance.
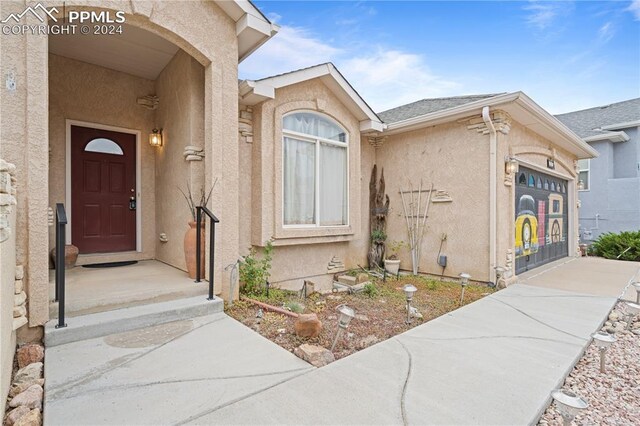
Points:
(221, 163)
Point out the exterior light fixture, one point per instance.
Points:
(155, 137)
(464, 281)
(409, 291)
(632, 310)
(346, 315)
(511, 165)
(580, 185)
(603, 340)
(636, 285)
(568, 404)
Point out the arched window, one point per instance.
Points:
(103, 146)
(532, 181)
(546, 184)
(553, 186)
(539, 186)
(315, 171)
(522, 179)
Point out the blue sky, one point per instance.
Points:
(566, 55)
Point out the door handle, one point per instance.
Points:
(132, 203)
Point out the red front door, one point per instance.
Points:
(103, 190)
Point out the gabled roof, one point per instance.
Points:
(597, 123)
(253, 29)
(521, 108)
(255, 91)
(426, 106)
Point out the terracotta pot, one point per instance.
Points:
(190, 249)
(70, 256)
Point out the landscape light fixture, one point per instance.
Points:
(155, 137)
(636, 285)
(464, 281)
(346, 315)
(409, 291)
(632, 310)
(603, 340)
(568, 404)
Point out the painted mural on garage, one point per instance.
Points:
(541, 219)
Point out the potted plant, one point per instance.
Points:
(391, 262)
(190, 236)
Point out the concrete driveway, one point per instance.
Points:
(589, 275)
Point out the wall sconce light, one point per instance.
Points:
(464, 281)
(569, 405)
(155, 137)
(346, 315)
(580, 185)
(409, 291)
(511, 166)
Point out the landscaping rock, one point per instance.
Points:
(307, 325)
(30, 373)
(32, 418)
(19, 388)
(362, 278)
(314, 354)
(614, 316)
(28, 354)
(31, 398)
(368, 341)
(360, 317)
(15, 414)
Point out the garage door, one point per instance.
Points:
(541, 219)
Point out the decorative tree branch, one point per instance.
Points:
(378, 210)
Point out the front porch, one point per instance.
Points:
(92, 290)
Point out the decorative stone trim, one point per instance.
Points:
(501, 121)
(441, 196)
(7, 197)
(149, 101)
(19, 299)
(376, 141)
(245, 123)
(193, 153)
(335, 265)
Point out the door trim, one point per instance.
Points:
(139, 199)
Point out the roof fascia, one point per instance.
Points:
(609, 136)
(624, 125)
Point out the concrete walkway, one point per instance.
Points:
(492, 362)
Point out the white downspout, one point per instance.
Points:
(493, 202)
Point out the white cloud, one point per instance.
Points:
(634, 8)
(389, 78)
(291, 49)
(606, 32)
(543, 14)
(385, 78)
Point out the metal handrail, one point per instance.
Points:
(61, 223)
(212, 244)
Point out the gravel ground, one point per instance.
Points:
(613, 397)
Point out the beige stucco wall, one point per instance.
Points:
(201, 29)
(301, 253)
(89, 93)
(180, 87)
(453, 159)
(7, 334)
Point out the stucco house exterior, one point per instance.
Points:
(289, 158)
(610, 189)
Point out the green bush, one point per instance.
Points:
(625, 244)
(370, 290)
(255, 271)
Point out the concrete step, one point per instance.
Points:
(104, 323)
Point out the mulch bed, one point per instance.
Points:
(380, 313)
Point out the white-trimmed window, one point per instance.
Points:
(585, 173)
(315, 171)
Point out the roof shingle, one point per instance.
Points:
(585, 122)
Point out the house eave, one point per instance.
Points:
(609, 136)
(625, 125)
(522, 109)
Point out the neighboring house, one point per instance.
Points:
(610, 188)
(291, 156)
